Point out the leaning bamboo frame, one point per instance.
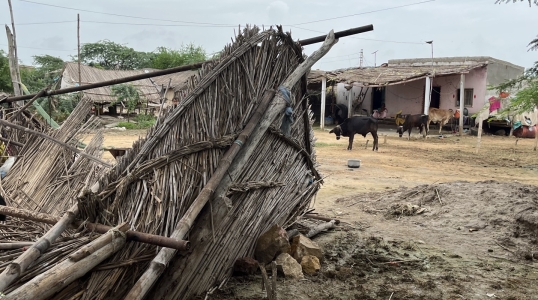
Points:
(269, 110)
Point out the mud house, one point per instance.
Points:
(404, 85)
(151, 89)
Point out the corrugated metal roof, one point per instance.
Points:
(104, 94)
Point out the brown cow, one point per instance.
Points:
(439, 115)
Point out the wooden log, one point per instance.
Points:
(132, 235)
(254, 134)
(320, 228)
(14, 245)
(19, 265)
(42, 135)
(99, 243)
(50, 282)
(316, 217)
(273, 280)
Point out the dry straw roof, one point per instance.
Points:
(403, 70)
(390, 75)
(146, 88)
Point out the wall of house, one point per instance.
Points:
(409, 97)
(341, 96)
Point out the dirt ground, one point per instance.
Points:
(421, 219)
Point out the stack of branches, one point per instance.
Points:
(156, 186)
(13, 140)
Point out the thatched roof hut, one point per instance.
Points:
(161, 185)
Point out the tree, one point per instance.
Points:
(168, 58)
(46, 71)
(128, 95)
(5, 78)
(112, 56)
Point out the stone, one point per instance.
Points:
(310, 264)
(302, 246)
(272, 243)
(288, 266)
(344, 273)
(245, 266)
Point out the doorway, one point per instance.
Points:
(378, 98)
(436, 97)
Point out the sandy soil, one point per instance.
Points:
(422, 219)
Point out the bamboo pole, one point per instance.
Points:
(132, 235)
(20, 110)
(99, 243)
(195, 66)
(13, 65)
(60, 276)
(33, 132)
(19, 265)
(277, 105)
(14, 245)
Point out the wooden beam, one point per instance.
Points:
(195, 66)
(322, 110)
(132, 235)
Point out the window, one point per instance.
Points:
(468, 95)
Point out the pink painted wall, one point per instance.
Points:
(409, 97)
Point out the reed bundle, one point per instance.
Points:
(161, 185)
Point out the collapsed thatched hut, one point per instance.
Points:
(181, 181)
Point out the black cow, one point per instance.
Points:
(354, 125)
(411, 121)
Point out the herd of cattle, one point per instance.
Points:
(367, 124)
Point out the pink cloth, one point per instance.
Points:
(494, 104)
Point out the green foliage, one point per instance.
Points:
(61, 106)
(142, 122)
(112, 56)
(168, 58)
(47, 70)
(127, 94)
(5, 77)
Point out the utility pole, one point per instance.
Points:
(13, 58)
(78, 49)
(361, 60)
(375, 56)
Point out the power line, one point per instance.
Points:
(170, 25)
(38, 48)
(364, 13)
(39, 23)
(125, 16)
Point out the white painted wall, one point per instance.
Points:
(341, 98)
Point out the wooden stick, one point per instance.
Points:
(33, 132)
(251, 132)
(366, 145)
(15, 245)
(266, 283)
(320, 228)
(20, 110)
(316, 217)
(273, 288)
(48, 283)
(132, 235)
(438, 197)
(19, 265)
(99, 243)
(14, 143)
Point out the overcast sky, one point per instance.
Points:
(457, 27)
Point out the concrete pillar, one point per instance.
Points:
(427, 96)
(322, 110)
(462, 101)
